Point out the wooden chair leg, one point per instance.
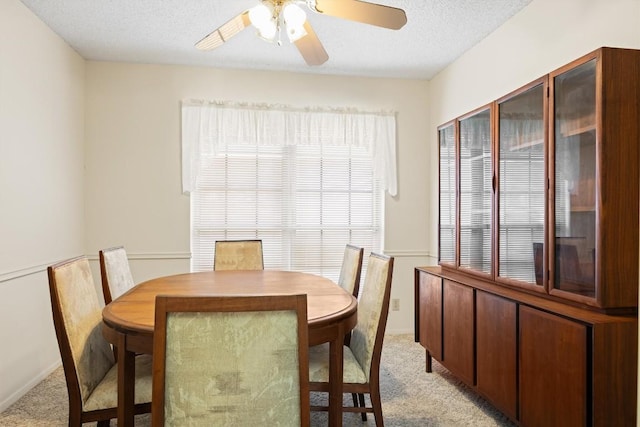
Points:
(75, 418)
(354, 396)
(362, 404)
(377, 406)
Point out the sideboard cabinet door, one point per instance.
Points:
(553, 370)
(458, 330)
(429, 311)
(496, 350)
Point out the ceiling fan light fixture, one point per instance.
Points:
(295, 33)
(295, 18)
(269, 31)
(262, 17)
(269, 16)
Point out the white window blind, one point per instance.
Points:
(304, 201)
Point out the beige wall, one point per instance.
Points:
(41, 189)
(133, 158)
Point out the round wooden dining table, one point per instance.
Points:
(128, 321)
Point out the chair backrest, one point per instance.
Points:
(115, 273)
(240, 360)
(238, 255)
(77, 318)
(351, 269)
(373, 308)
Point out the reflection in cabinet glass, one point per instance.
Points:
(476, 177)
(447, 252)
(522, 186)
(575, 179)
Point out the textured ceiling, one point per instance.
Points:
(165, 31)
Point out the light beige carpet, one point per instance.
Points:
(410, 397)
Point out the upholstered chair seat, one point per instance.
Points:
(319, 367)
(103, 395)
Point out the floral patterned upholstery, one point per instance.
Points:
(115, 272)
(350, 270)
(238, 255)
(232, 368)
(87, 356)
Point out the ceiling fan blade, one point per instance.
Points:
(229, 29)
(310, 47)
(367, 13)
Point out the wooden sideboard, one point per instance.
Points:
(541, 362)
(534, 302)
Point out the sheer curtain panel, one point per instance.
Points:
(208, 126)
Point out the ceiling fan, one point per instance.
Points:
(269, 15)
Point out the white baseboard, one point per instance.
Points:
(15, 396)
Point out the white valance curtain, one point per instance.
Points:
(209, 126)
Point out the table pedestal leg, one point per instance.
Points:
(335, 380)
(126, 383)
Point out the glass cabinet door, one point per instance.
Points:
(447, 230)
(575, 180)
(521, 187)
(476, 192)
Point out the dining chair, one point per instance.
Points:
(115, 273)
(238, 255)
(237, 361)
(89, 366)
(351, 269)
(350, 272)
(361, 371)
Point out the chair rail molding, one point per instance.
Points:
(151, 256)
(6, 276)
(408, 253)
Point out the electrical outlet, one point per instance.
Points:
(395, 304)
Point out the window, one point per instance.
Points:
(305, 201)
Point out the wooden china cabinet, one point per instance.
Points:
(534, 301)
